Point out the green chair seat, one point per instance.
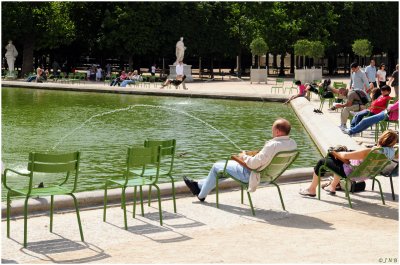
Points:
(269, 175)
(57, 190)
(150, 172)
(134, 182)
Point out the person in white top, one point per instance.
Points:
(280, 142)
(381, 73)
(179, 79)
(99, 74)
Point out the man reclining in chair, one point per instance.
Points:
(280, 142)
(179, 79)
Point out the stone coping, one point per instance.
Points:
(90, 199)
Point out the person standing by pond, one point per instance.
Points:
(280, 142)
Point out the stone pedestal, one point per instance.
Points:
(258, 75)
(187, 70)
(308, 75)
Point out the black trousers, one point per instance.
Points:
(332, 163)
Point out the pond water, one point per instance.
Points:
(103, 125)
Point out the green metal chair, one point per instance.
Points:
(371, 167)
(141, 159)
(269, 175)
(168, 148)
(55, 164)
(278, 86)
(292, 86)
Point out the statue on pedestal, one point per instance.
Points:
(180, 51)
(11, 55)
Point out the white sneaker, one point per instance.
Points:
(343, 127)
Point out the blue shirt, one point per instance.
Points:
(370, 71)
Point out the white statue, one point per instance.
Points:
(11, 54)
(180, 50)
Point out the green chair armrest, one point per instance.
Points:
(4, 176)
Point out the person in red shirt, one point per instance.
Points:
(377, 106)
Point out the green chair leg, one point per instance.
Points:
(280, 195)
(105, 203)
(8, 214)
(217, 190)
(51, 212)
(123, 205)
(141, 200)
(26, 222)
(134, 201)
(173, 193)
(347, 193)
(149, 197)
(251, 204)
(241, 194)
(78, 217)
(159, 203)
(380, 190)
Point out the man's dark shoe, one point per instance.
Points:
(192, 185)
(202, 200)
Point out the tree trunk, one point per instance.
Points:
(212, 67)
(267, 62)
(27, 63)
(282, 65)
(274, 63)
(292, 61)
(130, 62)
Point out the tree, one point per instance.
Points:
(301, 48)
(362, 47)
(258, 47)
(36, 26)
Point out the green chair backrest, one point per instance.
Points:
(143, 157)
(278, 165)
(280, 80)
(54, 163)
(371, 166)
(168, 148)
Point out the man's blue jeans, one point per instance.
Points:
(367, 122)
(359, 116)
(125, 82)
(233, 168)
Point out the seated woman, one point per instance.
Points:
(390, 114)
(302, 91)
(119, 79)
(339, 160)
(131, 79)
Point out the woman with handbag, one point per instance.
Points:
(339, 162)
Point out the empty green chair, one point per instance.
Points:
(370, 167)
(269, 175)
(138, 160)
(56, 164)
(278, 86)
(168, 148)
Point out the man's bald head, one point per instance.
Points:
(283, 126)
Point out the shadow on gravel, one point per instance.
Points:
(279, 218)
(49, 249)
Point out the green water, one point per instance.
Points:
(40, 120)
